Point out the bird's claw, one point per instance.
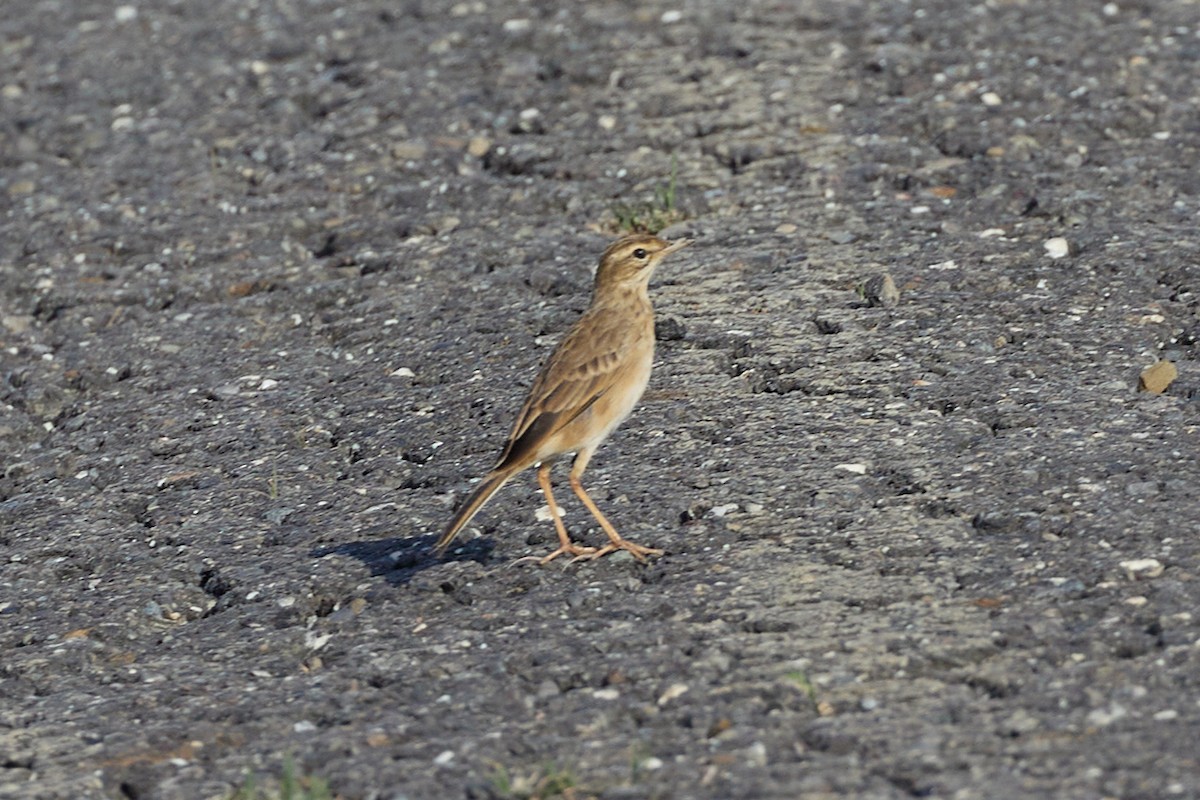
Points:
(636, 550)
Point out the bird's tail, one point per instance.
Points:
(487, 487)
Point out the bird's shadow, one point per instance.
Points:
(399, 559)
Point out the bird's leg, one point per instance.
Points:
(565, 545)
(615, 540)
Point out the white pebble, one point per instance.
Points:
(990, 99)
(857, 469)
(517, 25)
(756, 755)
(125, 13)
(404, 372)
(543, 514)
(606, 121)
(443, 758)
(673, 691)
(268, 383)
(1138, 568)
(671, 16)
(1056, 247)
(1106, 716)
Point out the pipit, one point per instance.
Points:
(586, 389)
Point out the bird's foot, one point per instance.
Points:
(576, 551)
(636, 550)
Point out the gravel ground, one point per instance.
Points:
(275, 276)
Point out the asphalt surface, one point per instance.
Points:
(274, 279)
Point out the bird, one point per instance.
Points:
(588, 386)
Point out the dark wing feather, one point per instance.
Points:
(582, 368)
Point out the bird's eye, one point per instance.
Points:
(640, 253)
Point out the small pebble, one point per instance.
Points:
(857, 469)
(125, 13)
(1058, 247)
(756, 755)
(1142, 488)
(990, 99)
(841, 236)
(1101, 717)
(1022, 722)
(479, 146)
(1140, 568)
(443, 758)
(543, 513)
(1157, 377)
(670, 17)
(673, 691)
(409, 151)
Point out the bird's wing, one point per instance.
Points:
(585, 365)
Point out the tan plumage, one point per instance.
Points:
(589, 385)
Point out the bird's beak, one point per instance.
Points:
(678, 244)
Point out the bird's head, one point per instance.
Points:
(630, 260)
